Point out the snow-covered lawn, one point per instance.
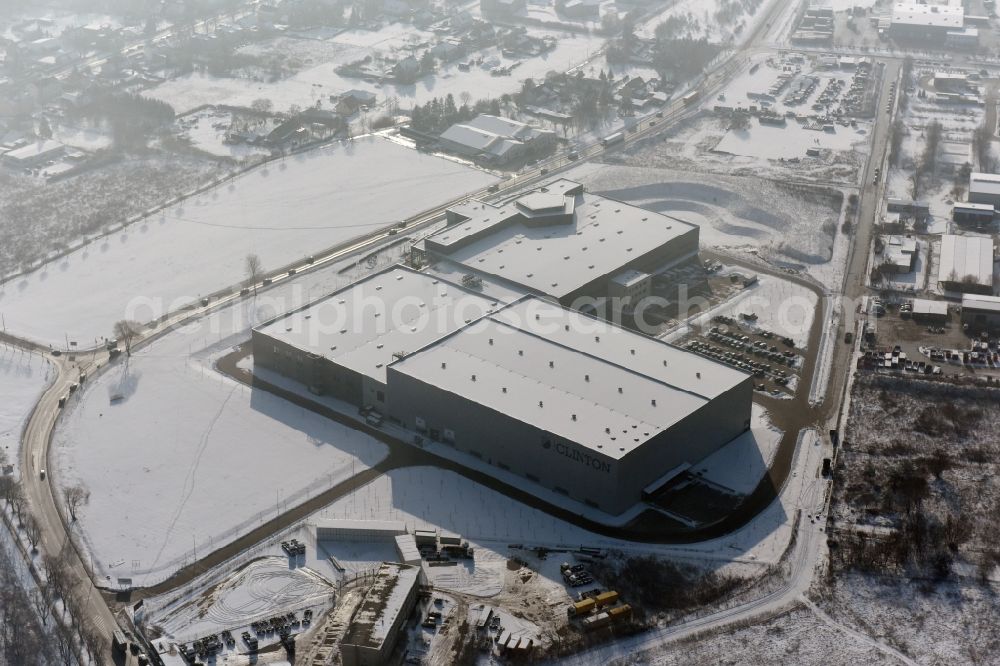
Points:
(23, 378)
(187, 459)
(281, 211)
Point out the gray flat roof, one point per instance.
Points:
(602, 387)
(936, 16)
(923, 306)
(977, 302)
(984, 183)
(964, 256)
(557, 259)
(975, 207)
(363, 326)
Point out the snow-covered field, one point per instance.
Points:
(781, 307)
(318, 82)
(186, 459)
(704, 19)
(281, 211)
(23, 378)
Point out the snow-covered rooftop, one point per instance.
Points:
(977, 302)
(923, 306)
(363, 326)
(934, 16)
(34, 149)
(593, 238)
(382, 604)
(984, 183)
(966, 257)
(577, 377)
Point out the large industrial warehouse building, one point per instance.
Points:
(966, 264)
(573, 403)
(560, 241)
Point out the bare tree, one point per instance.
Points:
(96, 645)
(64, 644)
(7, 491)
(40, 602)
(16, 499)
(56, 574)
(76, 496)
(254, 269)
(32, 529)
(126, 331)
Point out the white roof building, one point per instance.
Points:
(984, 188)
(580, 378)
(366, 325)
(34, 152)
(492, 137)
(944, 16)
(967, 260)
(559, 239)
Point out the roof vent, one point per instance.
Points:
(633, 351)
(664, 363)
(698, 375)
(607, 430)
(621, 390)
(597, 338)
(574, 417)
(567, 327)
(473, 378)
(552, 364)
(520, 352)
(654, 402)
(541, 404)
(504, 389)
(586, 378)
(444, 366)
(491, 341)
(537, 317)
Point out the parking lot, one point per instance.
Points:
(771, 359)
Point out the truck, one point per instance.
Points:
(690, 98)
(581, 607)
(606, 599)
(612, 139)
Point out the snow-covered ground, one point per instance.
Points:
(23, 378)
(703, 19)
(206, 130)
(186, 459)
(731, 212)
(282, 212)
(318, 82)
(262, 588)
(781, 307)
